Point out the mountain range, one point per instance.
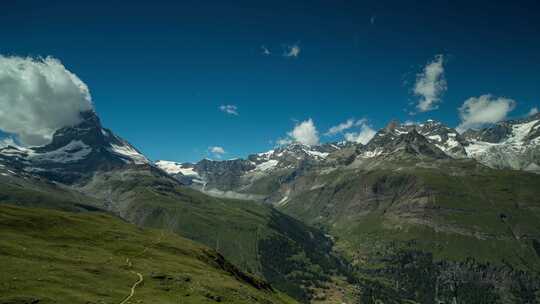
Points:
(510, 144)
(419, 214)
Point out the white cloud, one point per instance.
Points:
(265, 51)
(373, 19)
(486, 109)
(363, 136)
(217, 151)
(38, 97)
(340, 128)
(284, 141)
(305, 133)
(229, 109)
(292, 51)
(350, 123)
(430, 85)
(533, 111)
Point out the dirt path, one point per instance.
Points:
(141, 278)
(132, 293)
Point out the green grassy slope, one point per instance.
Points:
(245, 232)
(32, 191)
(59, 257)
(487, 207)
(455, 215)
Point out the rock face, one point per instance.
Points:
(395, 139)
(74, 153)
(445, 138)
(223, 174)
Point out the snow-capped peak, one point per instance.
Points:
(436, 133)
(74, 152)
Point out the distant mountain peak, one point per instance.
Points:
(398, 139)
(74, 152)
(89, 131)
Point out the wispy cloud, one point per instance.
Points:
(284, 141)
(304, 132)
(410, 123)
(486, 109)
(360, 131)
(372, 19)
(39, 96)
(430, 85)
(265, 51)
(533, 111)
(292, 51)
(229, 109)
(348, 124)
(217, 151)
(340, 127)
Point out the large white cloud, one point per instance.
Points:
(39, 96)
(430, 85)
(304, 132)
(486, 109)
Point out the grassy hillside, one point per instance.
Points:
(259, 239)
(49, 256)
(470, 224)
(25, 190)
(486, 206)
(416, 232)
(295, 258)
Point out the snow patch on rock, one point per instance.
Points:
(129, 153)
(175, 168)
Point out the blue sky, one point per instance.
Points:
(158, 72)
